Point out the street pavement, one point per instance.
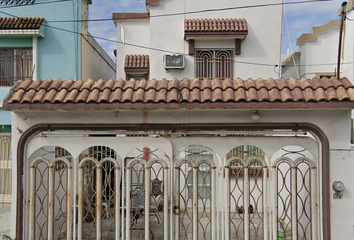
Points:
(5, 213)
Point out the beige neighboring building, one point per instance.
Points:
(318, 53)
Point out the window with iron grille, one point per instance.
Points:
(15, 64)
(216, 63)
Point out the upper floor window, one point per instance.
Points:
(15, 64)
(214, 63)
(16, 2)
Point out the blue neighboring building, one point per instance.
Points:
(44, 39)
(47, 39)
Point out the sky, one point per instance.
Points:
(298, 18)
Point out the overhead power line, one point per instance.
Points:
(201, 11)
(35, 3)
(174, 52)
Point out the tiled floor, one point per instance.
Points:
(5, 214)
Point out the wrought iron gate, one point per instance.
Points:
(244, 197)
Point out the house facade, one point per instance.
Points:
(182, 159)
(184, 39)
(44, 39)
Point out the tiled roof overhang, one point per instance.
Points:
(230, 28)
(20, 23)
(21, 26)
(302, 93)
(136, 64)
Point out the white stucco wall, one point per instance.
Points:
(136, 34)
(166, 33)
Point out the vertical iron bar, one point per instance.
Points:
(99, 201)
(275, 200)
(117, 202)
(213, 204)
(227, 205)
(147, 202)
(32, 203)
(195, 202)
(293, 203)
(80, 202)
(265, 204)
(51, 203)
(128, 203)
(246, 202)
(165, 203)
(177, 178)
(313, 203)
(68, 206)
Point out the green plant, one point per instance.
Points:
(7, 237)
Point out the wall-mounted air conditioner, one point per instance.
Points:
(173, 61)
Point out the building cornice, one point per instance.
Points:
(317, 30)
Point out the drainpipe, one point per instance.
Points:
(340, 36)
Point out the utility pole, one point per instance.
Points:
(340, 37)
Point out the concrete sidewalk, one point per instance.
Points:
(5, 213)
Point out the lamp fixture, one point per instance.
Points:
(255, 115)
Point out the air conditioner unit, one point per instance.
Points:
(173, 61)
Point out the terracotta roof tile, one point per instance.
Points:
(205, 95)
(294, 93)
(20, 23)
(215, 25)
(104, 96)
(136, 61)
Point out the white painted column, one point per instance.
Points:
(227, 207)
(246, 202)
(147, 202)
(165, 203)
(35, 57)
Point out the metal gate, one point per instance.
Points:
(197, 196)
(5, 167)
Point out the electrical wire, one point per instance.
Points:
(200, 11)
(38, 3)
(169, 51)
